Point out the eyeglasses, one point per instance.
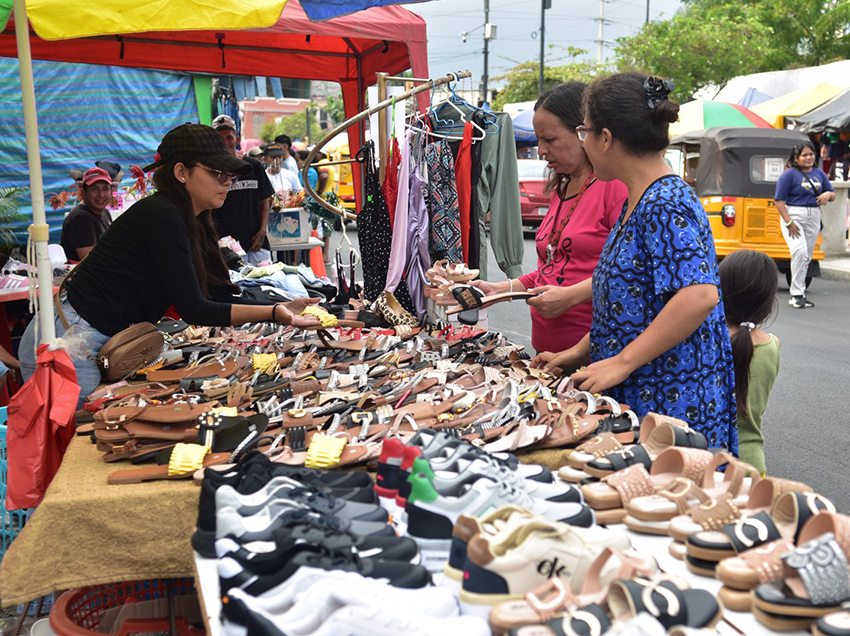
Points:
(223, 176)
(581, 132)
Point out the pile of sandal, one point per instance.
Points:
(329, 398)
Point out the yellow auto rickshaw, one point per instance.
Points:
(734, 172)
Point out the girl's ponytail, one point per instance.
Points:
(748, 282)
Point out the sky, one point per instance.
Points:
(568, 23)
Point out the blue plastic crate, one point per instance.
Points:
(11, 522)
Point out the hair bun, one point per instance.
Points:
(666, 111)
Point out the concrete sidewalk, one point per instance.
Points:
(836, 268)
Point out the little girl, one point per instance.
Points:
(748, 282)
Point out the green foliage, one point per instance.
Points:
(523, 80)
(335, 109)
(294, 125)
(712, 41)
(707, 45)
(804, 32)
(9, 201)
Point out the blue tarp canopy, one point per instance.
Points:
(753, 97)
(523, 129)
(87, 113)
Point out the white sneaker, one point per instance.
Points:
(378, 619)
(533, 553)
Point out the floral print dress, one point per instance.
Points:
(663, 247)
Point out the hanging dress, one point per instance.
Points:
(373, 228)
(445, 240)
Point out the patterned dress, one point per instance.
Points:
(664, 246)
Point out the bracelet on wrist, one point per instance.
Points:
(789, 223)
(274, 312)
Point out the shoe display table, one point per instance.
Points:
(733, 623)
(86, 532)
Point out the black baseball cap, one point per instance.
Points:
(196, 142)
(273, 150)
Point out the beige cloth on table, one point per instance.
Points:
(87, 532)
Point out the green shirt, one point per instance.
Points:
(764, 368)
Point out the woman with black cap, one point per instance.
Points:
(162, 251)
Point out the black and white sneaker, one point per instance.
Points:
(233, 574)
(305, 526)
(256, 494)
(800, 302)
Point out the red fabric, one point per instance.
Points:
(463, 177)
(172, 313)
(575, 258)
(390, 185)
(41, 425)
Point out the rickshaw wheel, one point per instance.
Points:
(788, 279)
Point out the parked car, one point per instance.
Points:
(532, 202)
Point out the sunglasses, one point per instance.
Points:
(222, 175)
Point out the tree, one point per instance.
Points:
(706, 45)
(523, 80)
(293, 125)
(804, 32)
(335, 109)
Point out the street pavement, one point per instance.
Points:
(807, 423)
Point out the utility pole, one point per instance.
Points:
(600, 40)
(542, 43)
(647, 12)
(485, 78)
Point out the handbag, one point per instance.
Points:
(127, 351)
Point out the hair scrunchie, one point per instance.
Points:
(748, 325)
(657, 90)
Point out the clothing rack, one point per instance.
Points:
(428, 85)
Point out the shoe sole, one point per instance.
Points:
(435, 553)
(780, 623)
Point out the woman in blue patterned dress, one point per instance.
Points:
(658, 339)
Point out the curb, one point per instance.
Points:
(834, 273)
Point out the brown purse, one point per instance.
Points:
(127, 351)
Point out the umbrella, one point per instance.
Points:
(795, 104)
(701, 114)
(56, 19)
(523, 127)
(41, 425)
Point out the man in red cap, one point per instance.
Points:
(86, 222)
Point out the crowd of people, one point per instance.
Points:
(628, 296)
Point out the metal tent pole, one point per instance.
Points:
(39, 230)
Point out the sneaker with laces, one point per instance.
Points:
(308, 527)
(233, 573)
(532, 553)
(312, 606)
(243, 616)
(256, 493)
(500, 523)
(260, 526)
(431, 515)
(799, 302)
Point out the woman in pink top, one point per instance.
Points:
(570, 237)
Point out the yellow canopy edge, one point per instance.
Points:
(57, 20)
(795, 104)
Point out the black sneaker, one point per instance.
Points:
(399, 574)
(807, 302)
(203, 539)
(799, 302)
(231, 524)
(310, 529)
(257, 463)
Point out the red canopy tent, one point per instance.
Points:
(349, 50)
